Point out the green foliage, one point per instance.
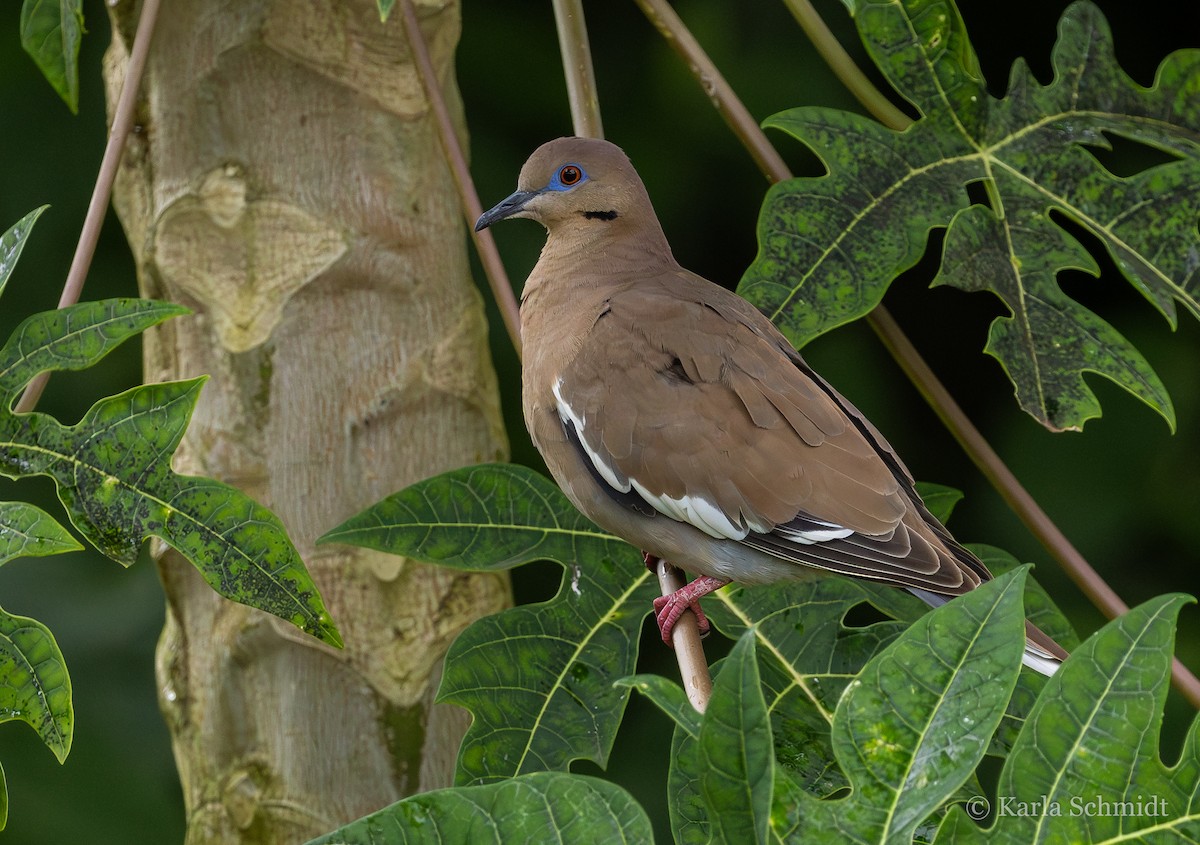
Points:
(113, 475)
(553, 662)
(34, 685)
(1086, 766)
(830, 246)
(50, 33)
(821, 728)
(530, 808)
(806, 708)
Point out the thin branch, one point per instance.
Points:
(660, 13)
(685, 636)
(845, 68)
(585, 115)
(489, 256)
(969, 437)
(93, 221)
(577, 68)
(1010, 489)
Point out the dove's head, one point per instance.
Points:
(581, 185)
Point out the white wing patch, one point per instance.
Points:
(695, 511)
(828, 531)
(567, 414)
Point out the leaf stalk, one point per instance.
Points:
(93, 221)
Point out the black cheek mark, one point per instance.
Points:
(600, 215)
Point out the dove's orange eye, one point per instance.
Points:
(567, 177)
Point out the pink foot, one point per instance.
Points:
(668, 609)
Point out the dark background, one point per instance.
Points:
(1125, 490)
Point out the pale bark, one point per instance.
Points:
(286, 182)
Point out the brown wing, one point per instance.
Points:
(704, 411)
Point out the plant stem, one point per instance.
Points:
(685, 636)
(577, 68)
(93, 221)
(489, 256)
(668, 24)
(839, 61)
(967, 435)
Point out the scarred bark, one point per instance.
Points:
(286, 183)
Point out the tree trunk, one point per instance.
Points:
(286, 182)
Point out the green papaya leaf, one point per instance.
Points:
(829, 246)
(27, 531)
(3, 800)
(112, 469)
(1041, 610)
(74, 338)
(13, 241)
(912, 727)
(538, 679)
(1086, 766)
(34, 685)
(113, 475)
(530, 808)
(50, 33)
(688, 811)
(737, 758)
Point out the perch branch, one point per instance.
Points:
(93, 221)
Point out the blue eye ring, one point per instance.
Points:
(567, 177)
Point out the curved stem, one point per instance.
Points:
(489, 256)
(1010, 489)
(98, 206)
(668, 24)
(969, 438)
(839, 61)
(577, 68)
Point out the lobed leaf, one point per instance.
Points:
(529, 808)
(113, 475)
(537, 679)
(910, 730)
(829, 246)
(112, 469)
(736, 753)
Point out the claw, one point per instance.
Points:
(668, 609)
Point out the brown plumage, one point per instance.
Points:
(674, 414)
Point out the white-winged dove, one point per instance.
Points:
(675, 415)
